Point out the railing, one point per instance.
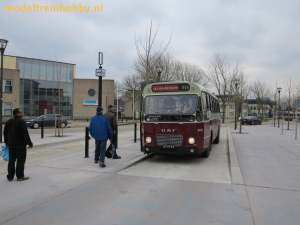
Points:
(87, 137)
(42, 125)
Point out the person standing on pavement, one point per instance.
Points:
(100, 131)
(110, 115)
(16, 138)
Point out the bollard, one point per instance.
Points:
(87, 137)
(42, 128)
(135, 133)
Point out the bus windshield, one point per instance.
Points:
(170, 104)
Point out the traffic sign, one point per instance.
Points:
(100, 73)
(283, 105)
(297, 103)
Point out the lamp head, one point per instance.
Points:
(159, 69)
(3, 44)
(279, 89)
(236, 82)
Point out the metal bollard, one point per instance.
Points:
(87, 137)
(42, 128)
(135, 132)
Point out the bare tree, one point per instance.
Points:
(261, 91)
(289, 87)
(220, 71)
(131, 88)
(243, 92)
(148, 57)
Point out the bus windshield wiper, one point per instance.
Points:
(171, 107)
(153, 110)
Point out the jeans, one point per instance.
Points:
(100, 150)
(18, 154)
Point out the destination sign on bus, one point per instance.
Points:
(170, 87)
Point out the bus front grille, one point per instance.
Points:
(174, 140)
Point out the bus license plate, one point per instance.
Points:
(168, 146)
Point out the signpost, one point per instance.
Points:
(100, 73)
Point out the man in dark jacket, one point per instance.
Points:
(110, 115)
(100, 131)
(16, 137)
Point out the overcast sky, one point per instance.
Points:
(263, 35)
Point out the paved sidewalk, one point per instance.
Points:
(270, 165)
(74, 190)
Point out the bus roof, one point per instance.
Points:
(194, 88)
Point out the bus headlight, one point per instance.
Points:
(148, 140)
(191, 140)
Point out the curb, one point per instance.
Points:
(235, 170)
(130, 163)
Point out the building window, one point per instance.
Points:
(251, 108)
(7, 109)
(245, 114)
(7, 86)
(231, 106)
(91, 92)
(254, 108)
(231, 113)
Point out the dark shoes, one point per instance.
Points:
(9, 179)
(102, 165)
(117, 157)
(96, 161)
(23, 178)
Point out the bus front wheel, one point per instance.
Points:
(206, 153)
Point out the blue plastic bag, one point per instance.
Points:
(5, 153)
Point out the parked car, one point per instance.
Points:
(49, 120)
(280, 117)
(290, 118)
(251, 120)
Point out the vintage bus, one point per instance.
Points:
(179, 118)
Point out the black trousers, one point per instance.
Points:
(19, 155)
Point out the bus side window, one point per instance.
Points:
(199, 112)
(204, 105)
(208, 102)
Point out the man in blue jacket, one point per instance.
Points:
(100, 130)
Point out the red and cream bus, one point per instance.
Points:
(179, 118)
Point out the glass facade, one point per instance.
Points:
(45, 86)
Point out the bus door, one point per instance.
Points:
(206, 107)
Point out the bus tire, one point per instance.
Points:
(206, 153)
(217, 139)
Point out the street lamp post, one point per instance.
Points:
(279, 90)
(236, 83)
(159, 70)
(3, 44)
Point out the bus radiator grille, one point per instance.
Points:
(174, 140)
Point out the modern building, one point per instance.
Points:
(41, 87)
(85, 97)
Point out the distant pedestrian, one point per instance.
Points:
(16, 137)
(110, 115)
(100, 131)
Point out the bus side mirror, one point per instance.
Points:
(137, 115)
(208, 114)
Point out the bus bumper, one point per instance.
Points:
(171, 151)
